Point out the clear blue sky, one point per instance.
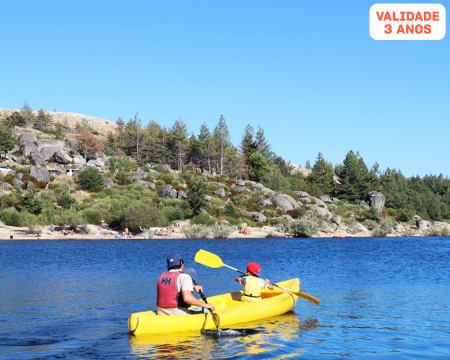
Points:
(306, 71)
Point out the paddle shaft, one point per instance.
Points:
(215, 317)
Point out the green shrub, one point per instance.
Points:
(30, 221)
(303, 228)
(203, 219)
(404, 215)
(92, 216)
(48, 215)
(65, 200)
(173, 213)
(161, 169)
(370, 224)
(230, 210)
(10, 217)
(90, 178)
(123, 163)
(141, 215)
(370, 214)
(444, 231)
(217, 202)
(383, 228)
(221, 231)
(123, 178)
(69, 218)
(197, 232)
(167, 179)
(32, 203)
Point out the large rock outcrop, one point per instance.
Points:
(284, 202)
(376, 200)
(256, 216)
(167, 191)
(40, 173)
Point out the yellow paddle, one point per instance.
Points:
(212, 260)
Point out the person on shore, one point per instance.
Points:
(175, 290)
(252, 283)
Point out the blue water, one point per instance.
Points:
(380, 298)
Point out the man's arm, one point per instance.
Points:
(190, 299)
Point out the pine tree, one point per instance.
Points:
(194, 151)
(205, 140)
(6, 139)
(27, 113)
(179, 135)
(248, 144)
(258, 166)
(42, 120)
(262, 145)
(322, 175)
(133, 136)
(354, 179)
(221, 140)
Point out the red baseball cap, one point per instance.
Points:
(253, 267)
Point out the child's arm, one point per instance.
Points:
(267, 284)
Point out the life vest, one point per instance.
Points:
(168, 295)
(252, 288)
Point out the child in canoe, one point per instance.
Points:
(252, 283)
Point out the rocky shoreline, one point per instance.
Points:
(81, 192)
(157, 233)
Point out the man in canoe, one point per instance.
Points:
(252, 283)
(175, 290)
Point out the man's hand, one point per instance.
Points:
(209, 306)
(198, 288)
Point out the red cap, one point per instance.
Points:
(253, 267)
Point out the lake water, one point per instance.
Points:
(380, 298)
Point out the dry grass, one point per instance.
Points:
(70, 120)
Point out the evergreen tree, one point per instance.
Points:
(6, 139)
(222, 141)
(154, 145)
(27, 113)
(133, 136)
(205, 140)
(179, 135)
(262, 145)
(112, 144)
(31, 202)
(307, 165)
(15, 119)
(258, 166)
(248, 144)
(42, 120)
(194, 151)
(322, 175)
(355, 179)
(196, 195)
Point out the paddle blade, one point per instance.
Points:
(208, 259)
(307, 297)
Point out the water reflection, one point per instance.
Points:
(269, 338)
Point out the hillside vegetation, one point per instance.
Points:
(143, 177)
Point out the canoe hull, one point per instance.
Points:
(228, 306)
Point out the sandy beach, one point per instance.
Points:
(97, 233)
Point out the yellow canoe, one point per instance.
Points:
(229, 307)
